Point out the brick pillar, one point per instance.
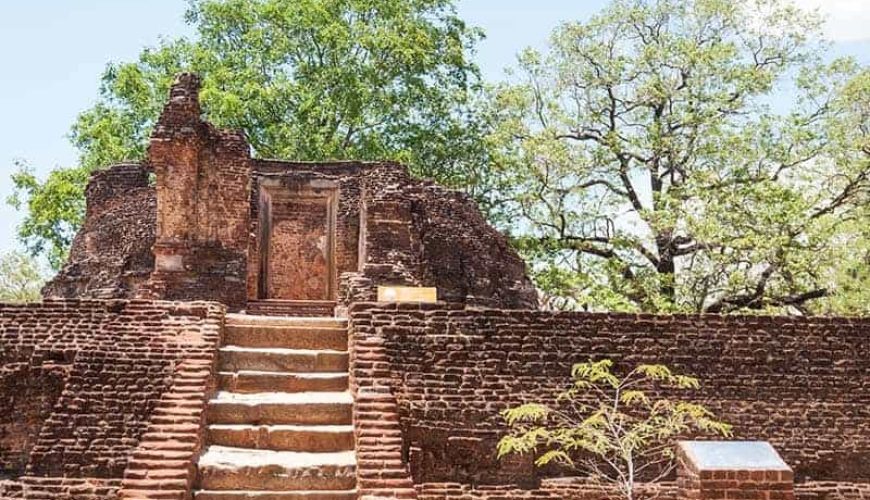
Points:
(389, 251)
(741, 470)
(203, 204)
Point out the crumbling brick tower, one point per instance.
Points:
(203, 188)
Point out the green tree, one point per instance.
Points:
(20, 278)
(305, 79)
(850, 129)
(617, 431)
(645, 164)
(55, 208)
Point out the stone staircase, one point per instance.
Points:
(280, 426)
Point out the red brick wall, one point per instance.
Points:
(416, 233)
(549, 489)
(833, 490)
(382, 471)
(463, 256)
(30, 393)
(109, 366)
(111, 255)
(203, 200)
(694, 483)
(739, 485)
(800, 383)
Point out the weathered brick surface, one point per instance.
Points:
(111, 255)
(800, 383)
(416, 233)
(203, 191)
(50, 488)
(120, 378)
(30, 393)
(831, 490)
(549, 489)
(382, 471)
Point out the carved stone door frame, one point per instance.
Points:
(272, 188)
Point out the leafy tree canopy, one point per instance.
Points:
(647, 161)
(20, 278)
(305, 79)
(644, 163)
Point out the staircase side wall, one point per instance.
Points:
(112, 367)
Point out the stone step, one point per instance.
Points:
(274, 495)
(300, 408)
(235, 358)
(260, 381)
(278, 307)
(288, 321)
(310, 438)
(226, 468)
(293, 337)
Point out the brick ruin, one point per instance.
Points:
(220, 225)
(163, 363)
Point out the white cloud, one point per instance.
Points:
(848, 20)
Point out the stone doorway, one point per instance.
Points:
(297, 242)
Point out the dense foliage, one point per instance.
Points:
(646, 163)
(616, 431)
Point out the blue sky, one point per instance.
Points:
(52, 53)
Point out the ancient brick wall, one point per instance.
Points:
(548, 489)
(800, 383)
(30, 392)
(735, 484)
(80, 386)
(416, 233)
(110, 256)
(466, 258)
(203, 199)
(832, 490)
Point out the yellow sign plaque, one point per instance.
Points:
(407, 294)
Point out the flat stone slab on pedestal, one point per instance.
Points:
(733, 455)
